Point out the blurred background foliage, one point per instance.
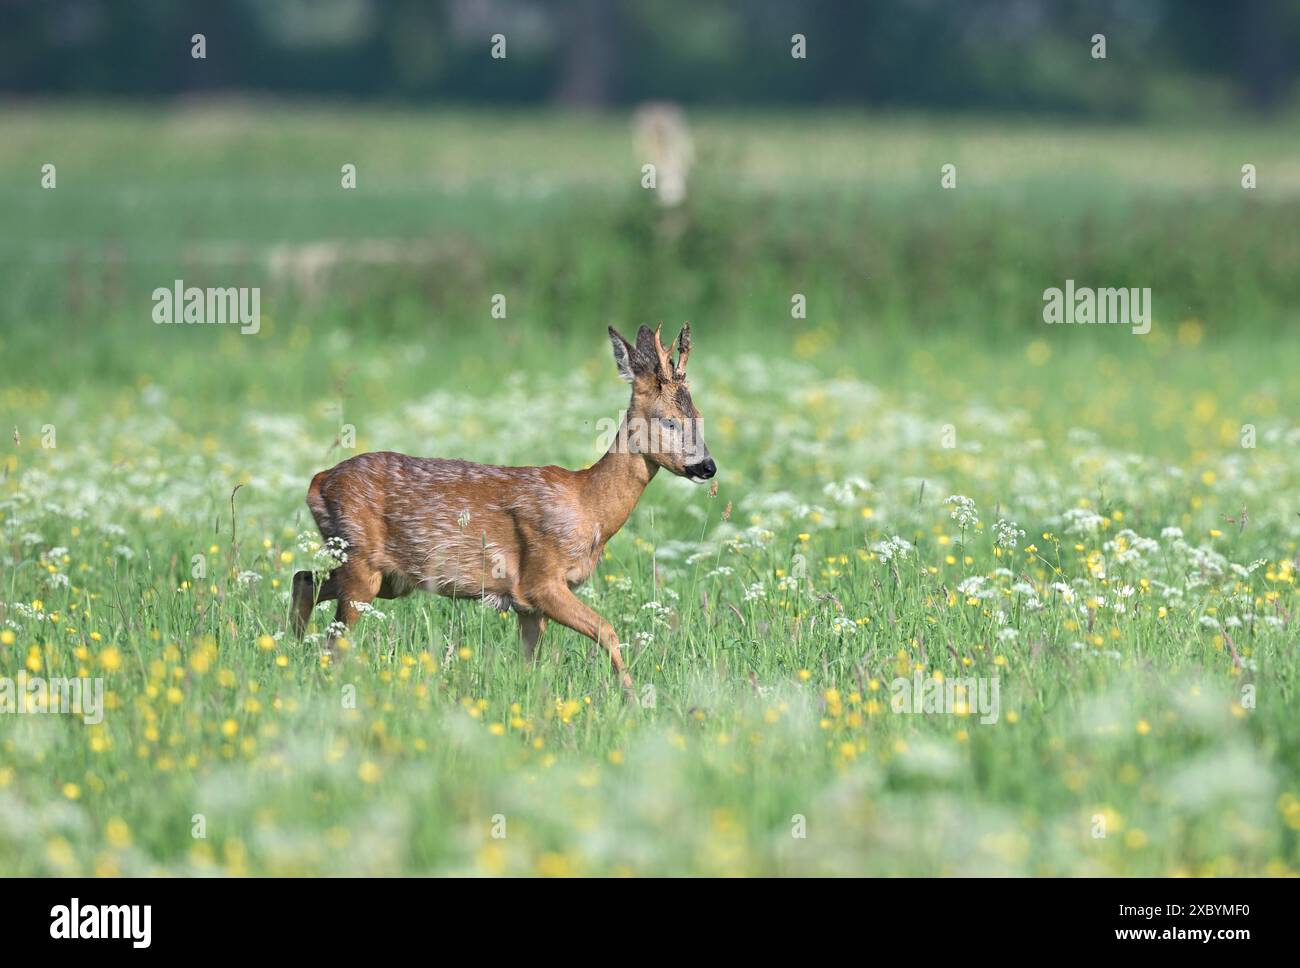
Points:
(522, 176)
(1163, 56)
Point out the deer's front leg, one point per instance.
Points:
(559, 603)
(531, 627)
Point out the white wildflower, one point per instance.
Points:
(1082, 521)
(892, 548)
(1006, 535)
(963, 511)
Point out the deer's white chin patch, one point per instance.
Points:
(698, 480)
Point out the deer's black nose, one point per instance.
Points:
(703, 470)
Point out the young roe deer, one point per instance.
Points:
(519, 538)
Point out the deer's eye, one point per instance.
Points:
(668, 423)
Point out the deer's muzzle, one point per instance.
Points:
(703, 470)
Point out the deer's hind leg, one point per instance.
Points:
(306, 596)
(355, 584)
(395, 585)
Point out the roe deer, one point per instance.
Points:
(519, 538)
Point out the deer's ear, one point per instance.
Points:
(647, 347)
(624, 355)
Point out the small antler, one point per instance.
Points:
(651, 347)
(683, 350)
(665, 360)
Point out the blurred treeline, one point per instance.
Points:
(1163, 56)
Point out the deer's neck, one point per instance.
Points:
(612, 486)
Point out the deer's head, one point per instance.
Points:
(663, 424)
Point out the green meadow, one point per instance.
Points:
(974, 594)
